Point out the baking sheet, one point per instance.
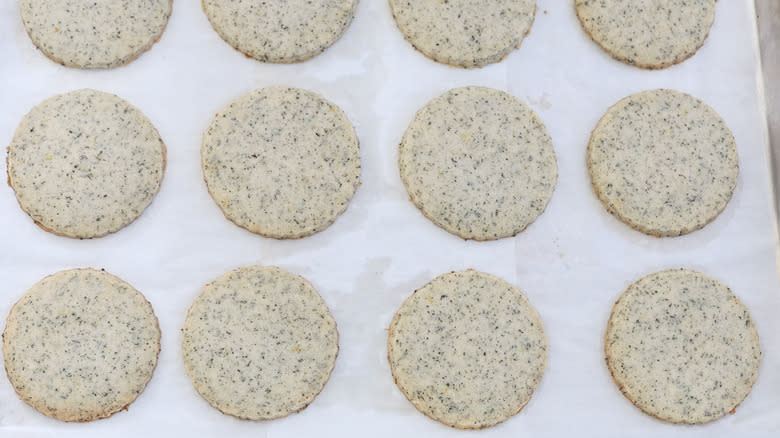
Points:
(768, 18)
(572, 263)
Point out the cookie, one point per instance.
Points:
(80, 345)
(464, 33)
(259, 343)
(281, 162)
(467, 350)
(681, 347)
(649, 35)
(280, 32)
(478, 163)
(85, 163)
(663, 162)
(94, 33)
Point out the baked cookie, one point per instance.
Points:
(259, 343)
(682, 347)
(280, 31)
(94, 33)
(467, 350)
(85, 163)
(80, 345)
(464, 33)
(478, 163)
(663, 162)
(646, 34)
(281, 162)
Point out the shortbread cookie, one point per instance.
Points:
(94, 33)
(647, 34)
(663, 162)
(478, 163)
(259, 343)
(281, 162)
(682, 347)
(85, 164)
(80, 345)
(464, 33)
(467, 349)
(280, 31)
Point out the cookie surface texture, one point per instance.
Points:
(478, 163)
(682, 347)
(94, 33)
(280, 31)
(259, 343)
(281, 162)
(647, 34)
(85, 163)
(80, 345)
(467, 350)
(464, 33)
(663, 162)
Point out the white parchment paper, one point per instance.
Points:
(572, 263)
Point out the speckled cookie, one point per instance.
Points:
(85, 163)
(259, 343)
(94, 33)
(663, 162)
(646, 34)
(682, 347)
(80, 345)
(467, 350)
(464, 33)
(281, 162)
(478, 163)
(281, 32)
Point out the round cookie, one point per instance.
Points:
(464, 33)
(281, 162)
(663, 162)
(259, 343)
(80, 345)
(280, 32)
(681, 347)
(85, 163)
(467, 350)
(478, 163)
(649, 35)
(94, 33)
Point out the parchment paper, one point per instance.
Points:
(572, 263)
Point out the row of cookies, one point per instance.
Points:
(463, 33)
(285, 163)
(466, 349)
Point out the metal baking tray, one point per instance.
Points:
(768, 18)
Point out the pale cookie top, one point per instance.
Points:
(85, 163)
(280, 31)
(281, 162)
(663, 162)
(648, 34)
(467, 350)
(478, 163)
(259, 343)
(80, 345)
(682, 347)
(94, 33)
(464, 33)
